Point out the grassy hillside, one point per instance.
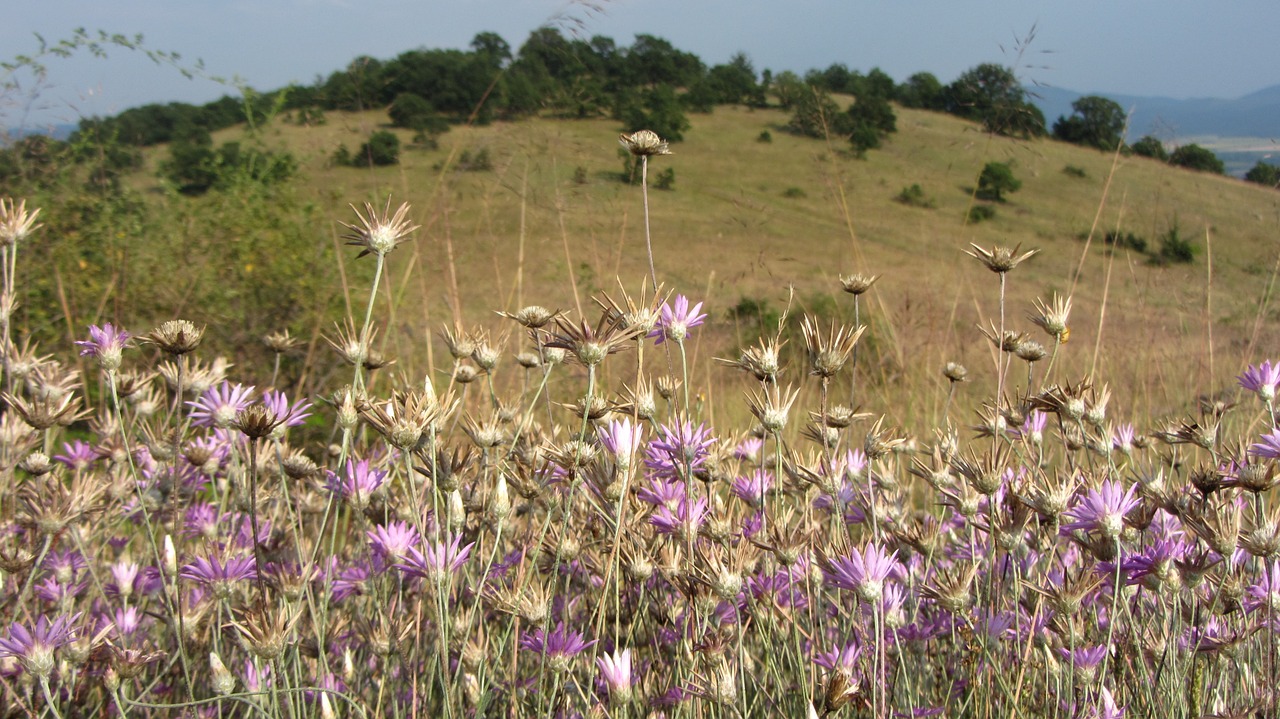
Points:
(751, 220)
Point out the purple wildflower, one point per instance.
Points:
(438, 561)
(357, 483)
(753, 487)
(220, 577)
(1266, 591)
(1103, 509)
(33, 647)
(1085, 660)
(1032, 429)
(615, 672)
(662, 493)
(1269, 447)
(862, 572)
(675, 322)
(1262, 379)
(622, 439)
(1122, 438)
(218, 406)
(684, 522)
(557, 647)
(286, 415)
(393, 541)
(77, 455)
(749, 449)
(349, 582)
(844, 658)
(106, 344)
(679, 450)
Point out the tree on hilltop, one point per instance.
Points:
(1195, 157)
(1094, 122)
(991, 94)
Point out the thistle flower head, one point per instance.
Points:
(16, 224)
(175, 337)
(999, 259)
(644, 143)
(1262, 379)
(1052, 317)
(379, 233)
(559, 647)
(676, 319)
(857, 284)
(615, 672)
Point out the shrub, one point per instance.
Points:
(1175, 249)
(1195, 157)
(383, 148)
(764, 136)
(480, 161)
(914, 196)
(666, 179)
(341, 156)
(979, 213)
(1073, 171)
(1264, 174)
(794, 193)
(1151, 147)
(997, 179)
(1126, 241)
(579, 175)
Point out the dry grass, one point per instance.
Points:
(727, 232)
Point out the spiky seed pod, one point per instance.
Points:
(828, 352)
(857, 284)
(256, 421)
(644, 143)
(1052, 318)
(36, 464)
(379, 233)
(1000, 259)
(534, 316)
(16, 224)
(280, 342)
(176, 337)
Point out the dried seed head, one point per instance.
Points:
(379, 234)
(175, 337)
(955, 372)
(857, 284)
(256, 421)
(16, 224)
(1000, 259)
(36, 464)
(280, 342)
(644, 143)
(534, 316)
(1052, 318)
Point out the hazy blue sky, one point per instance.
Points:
(1176, 48)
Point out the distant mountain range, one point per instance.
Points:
(1220, 125)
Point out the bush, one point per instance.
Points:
(341, 156)
(979, 213)
(1151, 147)
(1264, 174)
(764, 136)
(1126, 241)
(383, 148)
(996, 179)
(914, 196)
(794, 193)
(1073, 171)
(666, 179)
(1175, 249)
(579, 175)
(478, 162)
(1195, 157)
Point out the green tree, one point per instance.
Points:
(1264, 174)
(871, 119)
(992, 95)
(789, 88)
(192, 165)
(996, 180)
(1094, 122)
(1195, 157)
(1150, 146)
(921, 91)
(414, 112)
(657, 109)
(383, 148)
(815, 114)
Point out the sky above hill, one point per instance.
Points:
(1174, 48)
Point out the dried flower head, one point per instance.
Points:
(828, 353)
(644, 143)
(379, 234)
(280, 342)
(857, 284)
(955, 372)
(999, 259)
(175, 337)
(16, 223)
(1052, 318)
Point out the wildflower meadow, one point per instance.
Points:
(566, 522)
